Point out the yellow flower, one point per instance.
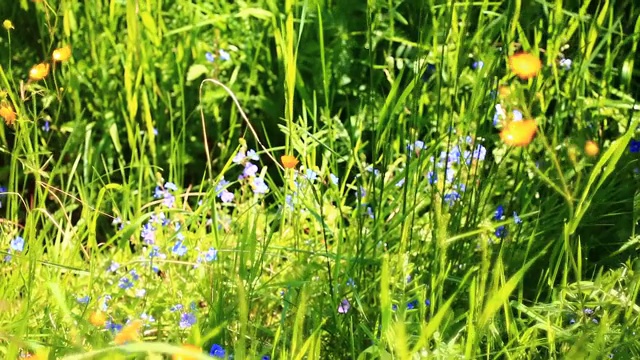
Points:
(98, 318)
(190, 348)
(62, 54)
(288, 161)
(39, 72)
(128, 333)
(591, 148)
(7, 113)
(8, 25)
(525, 65)
(519, 133)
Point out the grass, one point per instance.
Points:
(145, 207)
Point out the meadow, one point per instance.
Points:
(319, 179)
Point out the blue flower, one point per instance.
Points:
(249, 170)
(451, 197)
(565, 63)
(17, 244)
(477, 65)
(253, 155)
(125, 283)
(516, 218)
(266, 357)
(217, 351)
(210, 57)
(134, 275)
(224, 56)
(501, 232)
(187, 320)
(240, 156)
(47, 126)
(211, 255)
(334, 179)
(498, 215)
(226, 196)
(412, 304)
(83, 299)
(158, 193)
(259, 186)
(179, 248)
(634, 146)
(517, 115)
(351, 283)
(480, 152)
(416, 146)
(113, 267)
(427, 302)
(311, 175)
(113, 327)
(169, 200)
(176, 307)
(148, 234)
(155, 252)
(400, 183)
(221, 184)
(170, 186)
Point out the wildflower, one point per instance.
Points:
(259, 186)
(253, 155)
(516, 218)
(134, 275)
(158, 193)
(311, 175)
(148, 234)
(477, 65)
(176, 307)
(266, 357)
(8, 25)
(344, 306)
(217, 351)
(416, 146)
(105, 302)
(155, 252)
(525, 65)
(211, 255)
(226, 196)
(451, 198)
(249, 170)
(125, 283)
(7, 113)
(17, 244)
(427, 302)
(400, 183)
(210, 57)
(170, 186)
(588, 311)
(480, 152)
(39, 72)
(98, 318)
(289, 161)
(169, 200)
(412, 304)
(129, 332)
(113, 327)
(519, 133)
(351, 283)
(499, 214)
(147, 318)
(187, 320)
(591, 148)
(240, 156)
(113, 267)
(334, 179)
(187, 349)
(224, 56)
(62, 54)
(179, 248)
(140, 293)
(501, 232)
(565, 63)
(634, 146)
(83, 299)
(370, 212)
(430, 70)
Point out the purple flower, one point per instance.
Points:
(501, 232)
(253, 155)
(179, 248)
(412, 304)
(187, 320)
(211, 255)
(240, 156)
(344, 306)
(125, 283)
(169, 200)
(480, 152)
(47, 126)
(113, 267)
(226, 196)
(17, 244)
(451, 197)
(83, 299)
(477, 65)
(158, 193)
(259, 186)
(170, 186)
(148, 234)
(250, 170)
(634, 146)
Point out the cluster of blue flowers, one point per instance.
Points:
(501, 231)
(16, 245)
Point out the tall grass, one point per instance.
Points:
(143, 176)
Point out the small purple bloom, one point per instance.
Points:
(250, 170)
(634, 146)
(211, 255)
(179, 248)
(226, 196)
(170, 186)
(187, 320)
(501, 232)
(84, 299)
(259, 186)
(253, 155)
(344, 306)
(17, 244)
(125, 283)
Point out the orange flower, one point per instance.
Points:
(519, 133)
(591, 148)
(128, 333)
(288, 161)
(39, 72)
(98, 318)
(62, 54)
(7, 113)
(188, 348)
(525, 65)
